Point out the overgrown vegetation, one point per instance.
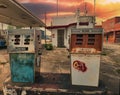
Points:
(48, 46)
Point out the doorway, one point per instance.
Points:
(60, 36)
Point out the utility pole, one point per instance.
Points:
(57, 7)
(94, 12)
(85, 8)
(45, 28)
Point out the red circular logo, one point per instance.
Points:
(80, 66)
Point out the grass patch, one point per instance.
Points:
(48, 46)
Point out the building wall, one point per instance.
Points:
(65, 37)
(59, 21)
(85, 22)
(117, 20)
(111, 26)
(117, 36)
(111, 38)
(108, 25)
(54, 37)
(63, 20)
(67, 34)
(3, 26)
(67, 23)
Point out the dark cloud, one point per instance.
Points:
(39, 9)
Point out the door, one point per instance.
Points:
(60, 40)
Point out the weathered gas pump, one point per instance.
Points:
(85, 50)
(24, 46)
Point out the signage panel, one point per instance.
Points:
(85, 69)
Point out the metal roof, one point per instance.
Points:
(13, 13)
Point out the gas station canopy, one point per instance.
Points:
(13, 13)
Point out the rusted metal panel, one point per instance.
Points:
(22, 67)
(87, 31)
(85, 49)
(85, 69)
(23, 40)
(80, 42)
(24, 46)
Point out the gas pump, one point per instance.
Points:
(85, 51)
(23, 47)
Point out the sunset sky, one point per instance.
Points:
(105, 9)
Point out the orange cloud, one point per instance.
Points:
(108, 10)
(53, 1)
(104, 8)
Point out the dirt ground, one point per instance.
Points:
(110, 67)
(57, 61)
(4, 66)
(110, 61)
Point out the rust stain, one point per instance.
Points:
(80, 66)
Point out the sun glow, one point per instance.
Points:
(108, 1)
(112, 1)
(60, 13)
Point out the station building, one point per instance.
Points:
(112, 30)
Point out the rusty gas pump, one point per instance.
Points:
(85, 52)
(23, 47)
